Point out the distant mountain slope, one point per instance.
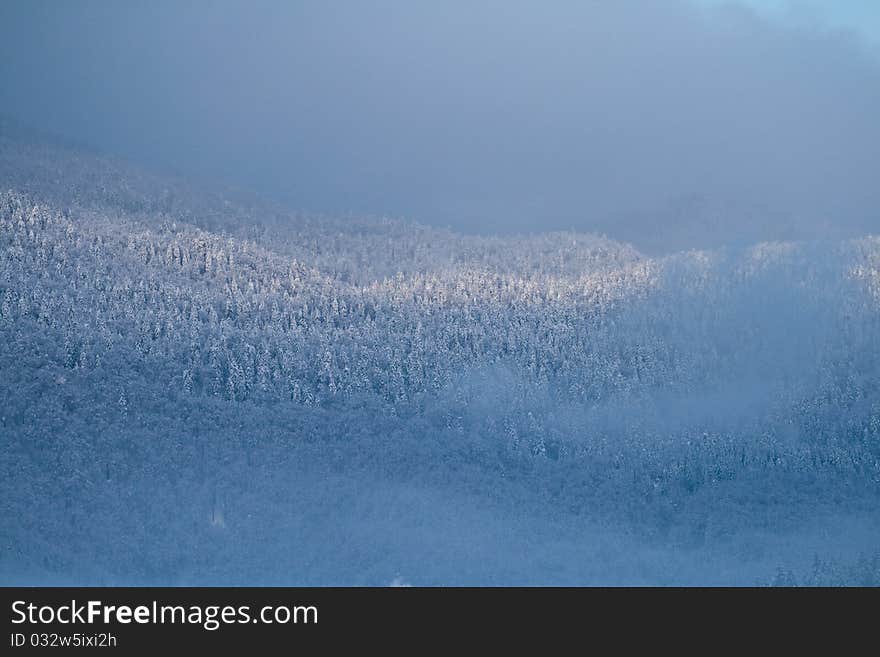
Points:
(703, 222)
(363, 248)
(196, 384)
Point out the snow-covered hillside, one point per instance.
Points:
(198, 388)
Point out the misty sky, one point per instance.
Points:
(499, 115)
(862, 17)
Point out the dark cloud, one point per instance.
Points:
(498, 115)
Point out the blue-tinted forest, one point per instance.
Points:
(203, 390)
(475, 292)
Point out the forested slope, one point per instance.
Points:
(201, 389)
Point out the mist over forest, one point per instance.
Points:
(490, 293)
(677, 124)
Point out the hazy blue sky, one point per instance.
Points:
(859, 16)
(489, 115)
